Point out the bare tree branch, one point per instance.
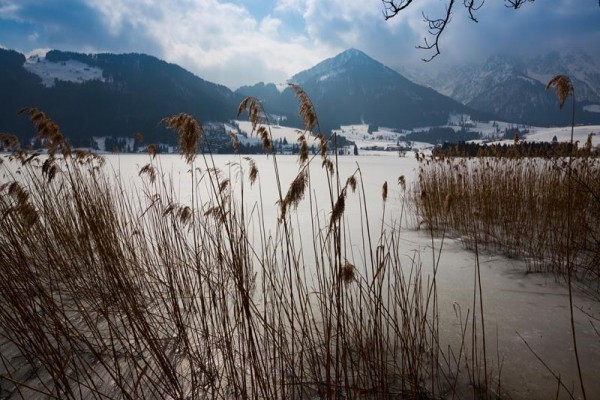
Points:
(471, 7)
(391, 8)
(516, 3)
(436, 27)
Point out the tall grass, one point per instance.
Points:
(544, 210)
(112, 291)
(519, 207)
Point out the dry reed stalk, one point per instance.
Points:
(519, 205)
(307, 110)
(9, 141)
(149, 170)
(255, 111)
(295, 192)
(145, 297)
(190, 134)
(253, 173)
(303, 151)
(152, 150)
(235, 143)
(562, 87)
(47, 131)
(338, 209)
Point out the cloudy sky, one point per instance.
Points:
(236, 42)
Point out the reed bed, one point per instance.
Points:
(108, 291)
(519, 206)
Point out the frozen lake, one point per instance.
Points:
(518, 306)
(527, 319)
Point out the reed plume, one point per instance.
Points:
(16, 191)
(351, 181)
(49, 168)
(562, 87)
(148, 170)
(9, 141)
(328, 165)
(322, 145)
(253, 174)
(347, 273)
(190, 134)
(307, 110)
(185, 214)
(255, 111)
(295, 192)
(402, 182)
(234, 141)
(223, 185)
(48, 131)
(28, 214)
(263, 133)
(384, 191)
(338, 208)
(151, 149)
(303, 153)
(169, 209)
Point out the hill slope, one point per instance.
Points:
(352, 88)
(132, 94)
(513, 88)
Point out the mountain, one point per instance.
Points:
(105, 94)
(513, 88)
(583, 70)
(267, 93)
(119, 95)
(352, 88)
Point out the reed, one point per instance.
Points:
(518, 207)
(112, 291)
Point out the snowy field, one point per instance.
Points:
(278, 132)
(68, 71)
(387, 141)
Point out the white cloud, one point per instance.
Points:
(283, 6)
(221, 42)
(270, 26)
(238, 42)
(8, 10)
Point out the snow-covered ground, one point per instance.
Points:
(595, 108)
(388, 141)
(278, 132)
(563, 134)
(69, 71)
(386, 138)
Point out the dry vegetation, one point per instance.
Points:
(545, 210)
(519, 207)
(112, 292)
(108, 291)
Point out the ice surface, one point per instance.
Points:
(532, 305)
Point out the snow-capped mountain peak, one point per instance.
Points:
(513, 87)
(339, 64)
